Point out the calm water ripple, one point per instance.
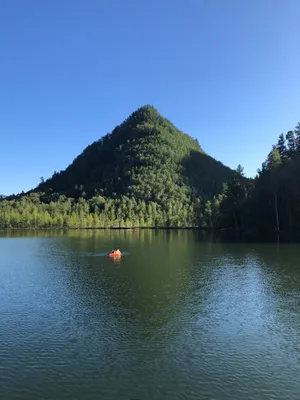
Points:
(178, 317)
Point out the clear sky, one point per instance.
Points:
(224, 71)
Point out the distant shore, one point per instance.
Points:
(224, 235)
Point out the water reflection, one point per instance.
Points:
(176, 317)
(145, 281)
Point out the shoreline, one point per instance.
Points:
(218, 235)
(122, 228)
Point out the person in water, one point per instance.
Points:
(116, 252)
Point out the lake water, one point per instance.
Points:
(178, 317)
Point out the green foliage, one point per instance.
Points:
(146, 158)
(290, 137)
(270, 202)
(281, 146)
(297, 139)
(32, 211)
(233, 201)
(145, 173)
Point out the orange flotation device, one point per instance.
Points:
(115, 253)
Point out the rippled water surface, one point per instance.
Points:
(178, 317)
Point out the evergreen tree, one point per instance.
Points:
(290, 137)
(297, 139)
(281, 147)
(235, 196)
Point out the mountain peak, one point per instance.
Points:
(147, 112)
(144, 114)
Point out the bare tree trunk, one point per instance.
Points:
(235, 222)
(291, 220)
(276, 211)
(236, 226)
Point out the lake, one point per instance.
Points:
(180, 316)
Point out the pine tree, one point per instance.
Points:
(281, 147)
(290, 137)
(273, 163)
(235, 196)
(297, 140)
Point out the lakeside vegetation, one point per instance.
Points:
(147, 173)
(271, 201)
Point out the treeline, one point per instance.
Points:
(268, 203)
(38, 210)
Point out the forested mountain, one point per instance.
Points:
(147, 173)
(146, 158)
(144, 173)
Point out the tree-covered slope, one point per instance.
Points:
(145, 173)
(145, 157)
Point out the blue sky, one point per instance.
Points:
(224, 71)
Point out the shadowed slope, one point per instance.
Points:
(145, 157)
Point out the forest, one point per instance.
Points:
(268, 204)
(148, 174)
